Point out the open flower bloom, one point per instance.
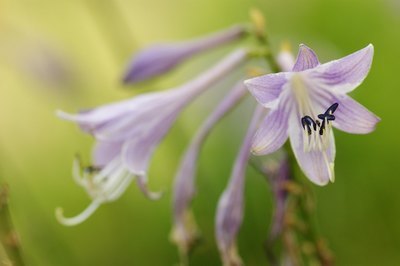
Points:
(127, 133)
(306, 102)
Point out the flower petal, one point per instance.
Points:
(350, 116)
(273, 131)
(104, 152)
(104, 117)
(267, 88)
(316, 165)
(306, 59)
(345, 74)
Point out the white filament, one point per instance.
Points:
(105, 186)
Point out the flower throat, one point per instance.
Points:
(316, 135)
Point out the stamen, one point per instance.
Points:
(308, 122)
(332, 108)
(318, 141)
(78, 218)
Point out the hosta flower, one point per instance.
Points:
(231, 204)
(306, 102)
(161, 58)
(127, 132)
(185, 232)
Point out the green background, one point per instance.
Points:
(70, 55)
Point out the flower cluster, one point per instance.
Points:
(301, 103)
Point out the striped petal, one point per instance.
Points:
(273, 131)
(317, 165)
(267, 88)
(345, 74)
(306, 59)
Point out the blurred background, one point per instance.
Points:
(71, 54)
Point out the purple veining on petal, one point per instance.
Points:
(316, 165)
(353, 117)
(306, 59)
(345, 74)
(230, 206)
(137, 151)
(161, 58)
(267, 88)
(314, 88)
(350, 117)
(273, 131)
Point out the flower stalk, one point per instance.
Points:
(293, 227)
(10, 250)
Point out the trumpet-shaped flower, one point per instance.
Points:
(185, 232)
(231, 203)
(161, 58)
(305, 102)
(127, 132)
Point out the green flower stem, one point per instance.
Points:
(9, 244)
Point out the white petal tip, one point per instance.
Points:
(257, 151)
(321, 183)
(332, 172)
(247, 83)
(304, 46)
(370, 48)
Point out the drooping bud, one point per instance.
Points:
(161, 58)
(230, 206)
(185, 233)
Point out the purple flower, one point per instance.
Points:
(160, 58)
(306, 102)
(230, 206)
(127, 133)
(185, 232)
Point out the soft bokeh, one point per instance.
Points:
(71, 55)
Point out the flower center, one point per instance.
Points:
(316, 133)
(316, 129)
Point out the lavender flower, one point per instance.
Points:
(185, 231)
(127, 132)
(306, 102)
(160, 58)
(230, 206)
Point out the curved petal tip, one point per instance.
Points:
(141, 181)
